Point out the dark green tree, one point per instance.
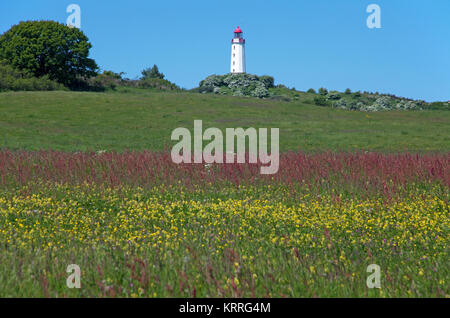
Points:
(48, 48)
(152, 73)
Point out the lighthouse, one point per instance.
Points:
(237, 52)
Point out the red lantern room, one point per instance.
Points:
(237, 52)
(238, 36)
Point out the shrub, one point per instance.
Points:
(267, 80)
(357, 94)
(260, 91)
(152, 73)
(353, 105)
(437, 105)
(111, 74)
(157, 83)
(212, 81)
(340, 104)
(348, 91)
(409, 105)
(238, 93)
(108, 79)
(381, 103)
(334, 96)
(224, 90)
(205, 89)
(323, 91)
(15, 80)
(311, 91)
(112, 80)
(237, 85)
(320, 100)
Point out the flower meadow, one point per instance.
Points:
(138, 225)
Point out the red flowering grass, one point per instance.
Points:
(328, 172)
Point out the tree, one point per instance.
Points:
(152, 73)
(49, 48)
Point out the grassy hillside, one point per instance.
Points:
(139, 120)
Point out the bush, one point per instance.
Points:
(152, 73)
(320, 100)
(353, 105)
(323, 91)
(111, 74)
(15, 80)
(212, 81)
(206, 89)
(237, 85)
(371, 102)
(437, 106)
(311, 91)
(409, 105)
(112, 80)
(260, 91)
(267, 80)
(348, 91)
(340, 104)
(106, 80)
(157, 83)
(334, 96)
(224, 90)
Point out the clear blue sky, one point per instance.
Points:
(302, 43)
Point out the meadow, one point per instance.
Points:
(86, 179)
(143, 120)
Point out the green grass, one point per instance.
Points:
(140, 119)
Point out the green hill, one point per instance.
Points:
(142, 119)
(251, 85)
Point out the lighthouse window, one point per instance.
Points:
(233, 62)
(233, 54)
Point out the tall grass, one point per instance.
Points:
(357, 173)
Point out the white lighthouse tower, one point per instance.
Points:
(237, 52)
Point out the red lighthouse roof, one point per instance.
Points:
(238, 30)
